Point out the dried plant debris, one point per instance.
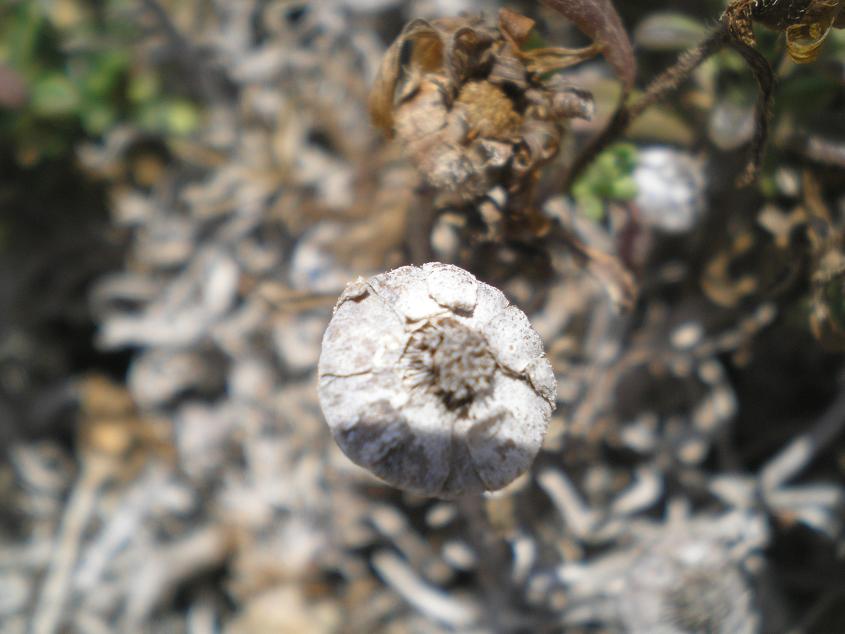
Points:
(431, 380)
(827, 318)
(807, 23)
(600, 21)
(675, 466)
(690, 575)
(472, 108)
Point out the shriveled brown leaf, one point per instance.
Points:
(516, 25)
(599, 20)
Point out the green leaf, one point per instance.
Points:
(834, 297)
(97, 117)
(624, 188)
(22, 35)
(105, 74)
(592, 208)
(182, 117)
(55, 96)
(143, 86)
(626, 156)
(177, 116)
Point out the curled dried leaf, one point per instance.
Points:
(807, 23)
(425, 48)
(599, 20)
(517, 26)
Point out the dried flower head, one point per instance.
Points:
(806, 23)
(689, 576)
(429, 379)
(472, 109)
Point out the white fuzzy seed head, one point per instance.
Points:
(430, 380)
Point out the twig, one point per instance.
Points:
(660, 88)
(827, 601)
(492, 560)
(444, 608)
(801, 451)
(50, 609)
(762, 110)
(206, 82)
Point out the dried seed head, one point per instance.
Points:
(467, 103)
(450, 360)
(690, 578)
(429, 379)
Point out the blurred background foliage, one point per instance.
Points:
(78, 67)
(609, 178)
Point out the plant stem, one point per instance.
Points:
(669, 81)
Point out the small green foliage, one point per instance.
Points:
(78, 65)
(609, 178)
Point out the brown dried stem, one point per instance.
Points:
(762, 110)
(660, 88)
(670, 80)
(492, 560)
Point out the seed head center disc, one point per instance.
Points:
(451, 361)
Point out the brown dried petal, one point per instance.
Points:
(427, 54)
(516, 25)
(572, 103)
(469, 50)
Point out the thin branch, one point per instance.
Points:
(493, 562)
(804, 448)
(762, 110)
(828, 600)
(670, 80)
(661, 87)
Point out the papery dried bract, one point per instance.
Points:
(427, 48)
(430, 380)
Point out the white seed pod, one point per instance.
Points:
(431, 381)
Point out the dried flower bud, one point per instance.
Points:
(806, 23)
(429, 379)
(689, 577)
(470, 107)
